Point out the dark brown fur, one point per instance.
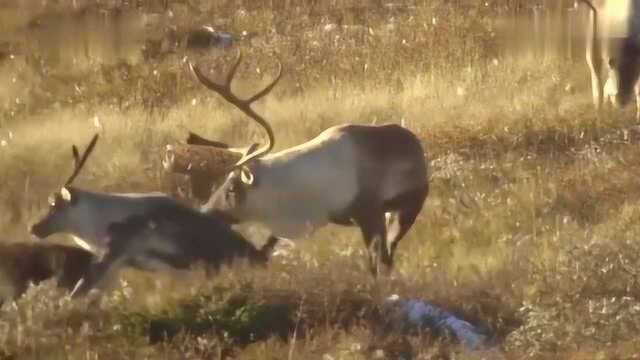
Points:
(196, 237)
(24, 263)
(381, 147)
(201, 183)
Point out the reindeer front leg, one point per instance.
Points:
(594, 60)
(97, 274)
(596, 86)
(113, 260)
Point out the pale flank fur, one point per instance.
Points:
(300, 186)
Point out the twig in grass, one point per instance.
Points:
(294, 337)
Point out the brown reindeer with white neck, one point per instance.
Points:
(374, 177)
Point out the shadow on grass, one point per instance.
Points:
(238, 318)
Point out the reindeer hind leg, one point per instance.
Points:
(399, 223)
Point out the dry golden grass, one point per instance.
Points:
(531, 227)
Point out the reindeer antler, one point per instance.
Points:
(243, 105)
(80, 161)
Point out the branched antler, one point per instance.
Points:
(243, 105)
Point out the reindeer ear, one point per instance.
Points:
(65, 194)
(246, 176)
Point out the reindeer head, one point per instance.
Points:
(230, 199)
(63, 204)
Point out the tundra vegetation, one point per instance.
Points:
(530, 230)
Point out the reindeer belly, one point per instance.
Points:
(299, 214)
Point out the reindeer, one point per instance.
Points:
(347, 175)
(612, 36)
(149, 231)
(24, 263)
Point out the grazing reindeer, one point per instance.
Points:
(347, 175)
(612, 37)
(147, 231)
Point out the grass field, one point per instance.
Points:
(530, 230)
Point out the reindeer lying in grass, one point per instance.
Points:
(23, 263)
(347, 175)
(148, 231)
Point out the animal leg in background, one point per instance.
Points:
(636, 88)
(594, 59)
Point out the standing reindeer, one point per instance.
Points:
(347, 175)
(613, 39)
(147, 231)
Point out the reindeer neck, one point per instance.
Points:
(93, 212)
